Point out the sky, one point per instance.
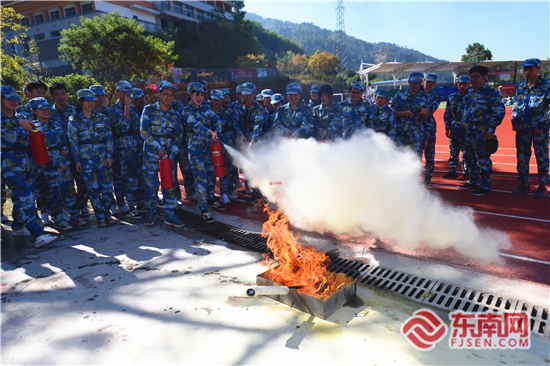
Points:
(511, 30)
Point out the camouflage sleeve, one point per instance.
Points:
(57, 124)
(335, 128)
(74, 142)
(543, 122)
(497, 111)
(178, 138)
(434, 105)
(259, 121)
(196, 125)
(278, 122)
(145, 130)
(448, 114)
(392, 132)
(307, 124)
(108, 136)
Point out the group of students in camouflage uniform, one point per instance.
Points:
(112, 154)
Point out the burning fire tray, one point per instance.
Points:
(321, 308)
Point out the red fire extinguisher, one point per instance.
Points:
(166, 179)
(217, 159)
(38, 147)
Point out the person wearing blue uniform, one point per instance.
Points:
(18, 170)
(327, 116)
(530, 119)
(101, 95)
(381, 117)
(57, 177)
(203, 126)
(138, 100)
(455, 131)
(355, 110)
(91, 144)
(295, 118)
(429, 151)
(412, 109)
(161, 128)
(226, 98)
(483, 112)
(315, 98)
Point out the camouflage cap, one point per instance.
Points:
(225, 91)
(463, 79)
(531, 62)
(39, 103)
(416, 77)
(277, 98)
(86, 94)
(204, 82)
(382, 93)
(9, 92)
(98, 89)
(430, 77)
(216, 95)
(248, 88)
(267, 93)
(195, 86)
(239, 89)
(293, 88)
(259, 98)
(166, 85)
(315, 88)
(124, 86)
(136, 93)
(357, 85)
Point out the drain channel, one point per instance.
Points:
(429, 292)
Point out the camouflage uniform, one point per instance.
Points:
(483, 112)
(314, 103)
(328, 119)
(160, 129)
(183, 157)
(227, 136)
(355, 116)
(382, 120)
(532, 111)
(243, 119)
(429, 153)
(91, 142)
(457, 141)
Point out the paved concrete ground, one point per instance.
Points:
(131, 294)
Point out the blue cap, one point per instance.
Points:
(531, 62)
(98, 89)
(259, 98)
(166, 85)
(9, 92)
(225, 91)
(267, 93)
(315, 88)
(86, 94)
(358, 85)
(248, 88)
(204, 82)
(39, 103)
(239, 89)
(136, 93)
(293, 88)
(195, 86)
(124, 86)
(216, 95)
(382, 93)
(416, 77)
(430, 77)
(463, 79)
(277, 98)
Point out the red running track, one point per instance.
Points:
(525, 219)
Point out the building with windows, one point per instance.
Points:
(46, 19)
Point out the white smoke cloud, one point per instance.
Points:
(364, 184)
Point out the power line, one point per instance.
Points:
(374, 23)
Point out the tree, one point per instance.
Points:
(323, 64)
(252, 62)
(73, 82)
(476, 52)
(238, 12)
(12, 70)
(113, 47)
(299, 64)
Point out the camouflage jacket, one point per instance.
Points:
(532, 106)
(126, 133)
(405, 101)
(200, 121)
(354, 116)
(161, 129)
(382, 120)
(453, 111)
(482, 110)
(16, 148)
(329, 119)
(90, 138)
(298, 120)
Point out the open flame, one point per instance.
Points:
(300, 265)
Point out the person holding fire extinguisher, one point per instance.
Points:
(91, 144)
(202, 123)
(161, 128)
(18, 170)
(56, 174)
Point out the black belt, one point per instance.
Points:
(55, 147)
(90, 142)
(117, 135)
(165, 136)
(26, 148)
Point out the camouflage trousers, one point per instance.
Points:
(187, 173)
(411, 140)
(24, 211)
(82, 189)
(130, 183)
(99, 180)
(481, 168)
(59, 193)
(523, 146)
(457, 143)
(151, 187)
(429, 154)
(39, 191)
(205, 179)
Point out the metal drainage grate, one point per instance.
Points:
(426, 291)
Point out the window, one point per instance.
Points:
(25, 47)
(69, 12)
(178, 9)
(25, 21)
(135, 17)
(39, 37)
(38, 18)
(163, 23)
(200, 15)
(86, 8)
(55, 34)
(54, 15)
(189, 12)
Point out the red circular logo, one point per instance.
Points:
(424, 329)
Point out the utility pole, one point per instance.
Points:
(340, 32)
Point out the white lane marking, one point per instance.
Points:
(513, 164)
(511, 175)
(523, 258)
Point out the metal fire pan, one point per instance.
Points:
(310, 304)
